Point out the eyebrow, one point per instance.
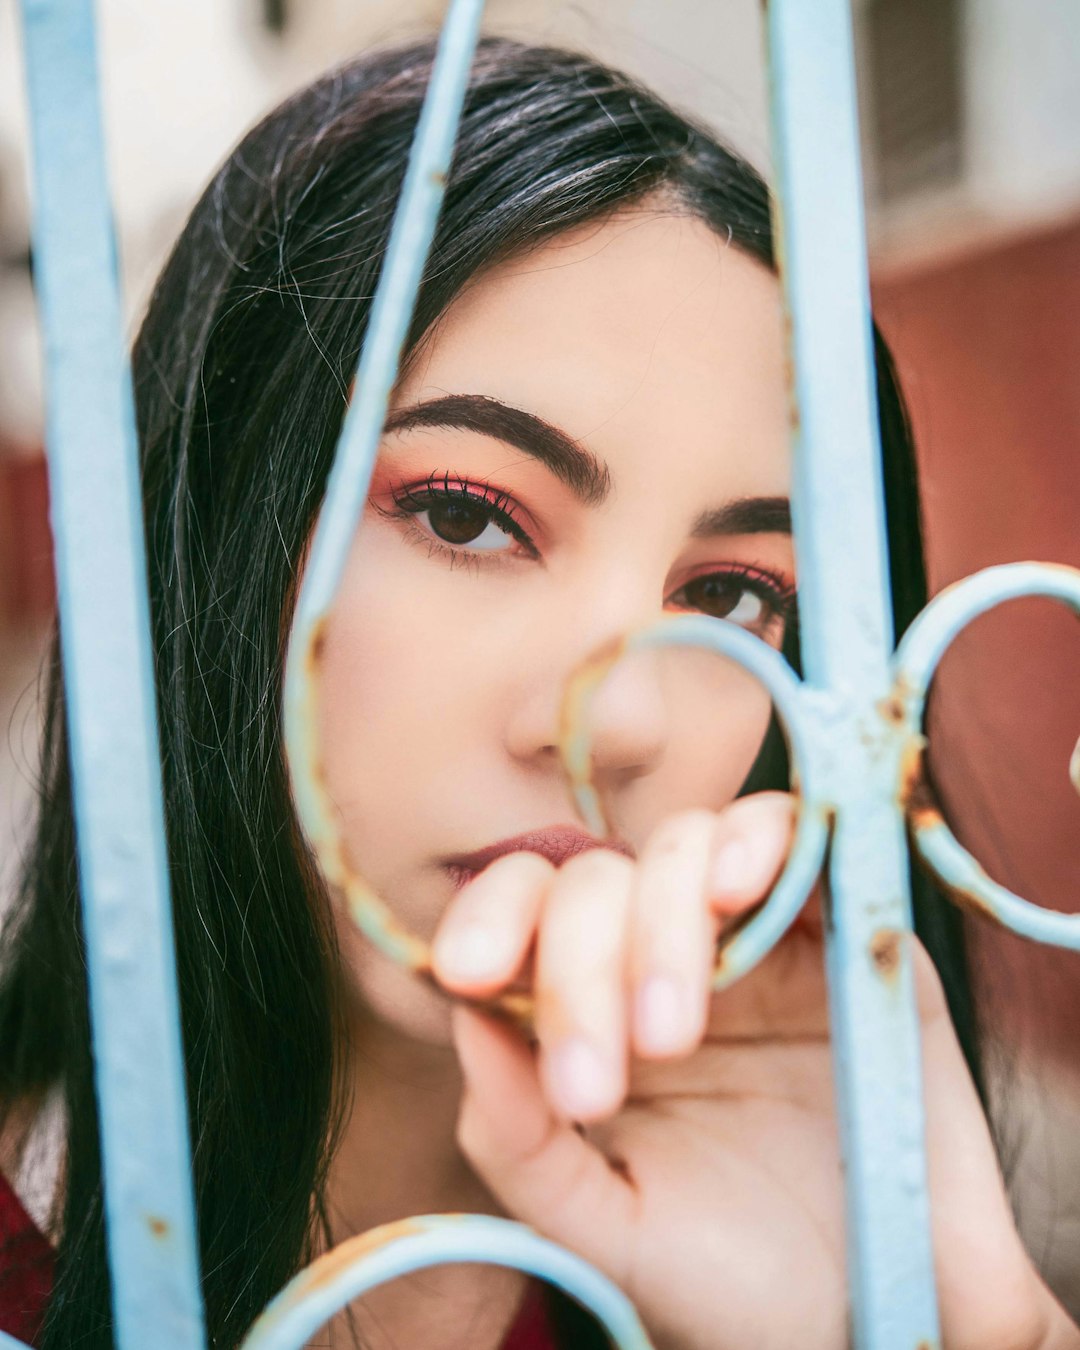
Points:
(586, 476)
(745, 515)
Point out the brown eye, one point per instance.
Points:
(463, 519)
(727, 597)
(459, 522)
(758, 601)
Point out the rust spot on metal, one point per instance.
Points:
(722, 966)
(893, 710)
(790, 368)
(327, 1268)
(923, 814)
(316, 646)
(916, 795)
(912, 771)
(158, 1227)
(518, 1007)
(515, 1006)
(967, 900)
(885, 947)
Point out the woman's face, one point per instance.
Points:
(594, 435)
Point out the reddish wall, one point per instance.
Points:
(26, 574)
(989, 353)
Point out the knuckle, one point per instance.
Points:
(765, 808)
(595, 867)
(674, 830)
(524, 869)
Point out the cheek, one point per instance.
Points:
(412, 684)
(719, 717)
(390, 700)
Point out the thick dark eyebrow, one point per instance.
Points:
(586, 476)
(746, 515)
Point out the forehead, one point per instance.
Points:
(644, 336)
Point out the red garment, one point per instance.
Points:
(532, 1329)
(26, 1269)
(26, 1275)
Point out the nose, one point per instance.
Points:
(627, 716)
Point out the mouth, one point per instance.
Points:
(556, 843)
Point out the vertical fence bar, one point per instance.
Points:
(847, 637)
(113, 745)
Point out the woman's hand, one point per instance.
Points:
(685, 1142)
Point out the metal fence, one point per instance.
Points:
(854, 721)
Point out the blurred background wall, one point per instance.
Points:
(971, 130)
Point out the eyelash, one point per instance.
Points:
(773, 590)
(413, 499)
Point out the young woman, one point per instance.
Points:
(589, 431)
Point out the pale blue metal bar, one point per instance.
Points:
(327, 1286)
(395, 298)
(97, 525)
(847, 635)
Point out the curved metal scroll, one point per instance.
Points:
(362, 1263)
(395, 299)
(754, 939)
(917, 658)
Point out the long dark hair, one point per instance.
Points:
(241, 372)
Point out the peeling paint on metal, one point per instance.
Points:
(885, 948)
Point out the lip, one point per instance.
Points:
(556, 843)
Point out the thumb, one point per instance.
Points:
(539, 1167)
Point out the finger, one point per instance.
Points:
(581, 1021)
(537, 1165)
(751, 843)
(672, 936)
(485, 934)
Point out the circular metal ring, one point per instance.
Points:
(361, 1264)
(751, 941)
(915, 662)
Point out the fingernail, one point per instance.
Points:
(733, 867)
(581, 1078)
(469, 952)
(658, 1014)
